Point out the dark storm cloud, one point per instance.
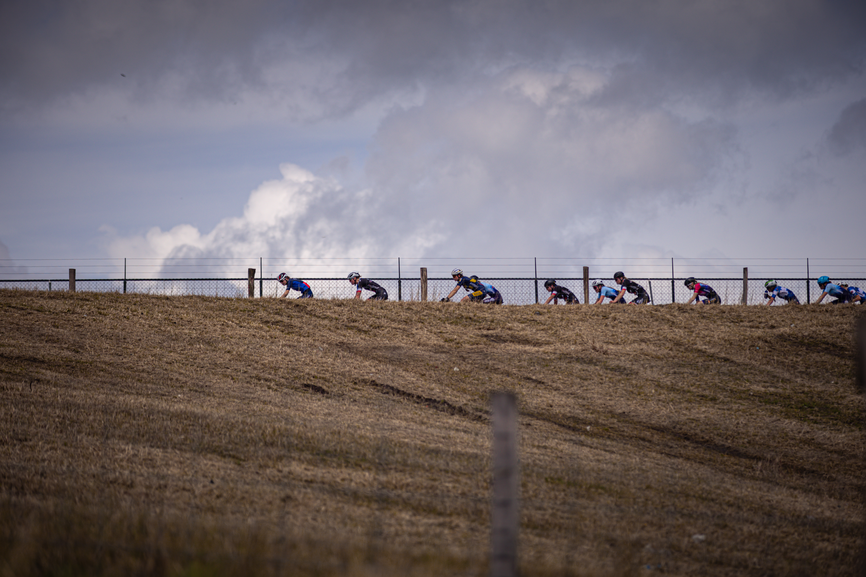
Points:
(719, 49)
(849, 133)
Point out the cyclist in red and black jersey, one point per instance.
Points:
(559, 292)
(379, 293)
(628, 285)
(702, 290)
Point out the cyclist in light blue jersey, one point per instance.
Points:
(840, 295)
(605, 292)
(774, 291)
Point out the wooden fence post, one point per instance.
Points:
(586, 285)
(504, 513)
(72, 280)
(251, 282)
(861, 387)
(423, 284)
(745, 299)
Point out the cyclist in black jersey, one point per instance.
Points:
(627, 285)
(558, 292)
(379, 293)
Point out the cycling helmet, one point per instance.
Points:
(823, 279)
(457, 272)
(689, 281)
(770, 283)
(618, 274)
(354, 275)
(283, 276)
(549, 283)
(597, 282)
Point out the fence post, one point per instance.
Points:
(745, 299)
(423, 284)
(251, 282)
(72, 280)
(536, 280)
(586, 285)
(673, 287)
(808, 294)
(124, 276)
(504, 514)
(399, 282)
(261, 279)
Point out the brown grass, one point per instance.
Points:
(200, 436)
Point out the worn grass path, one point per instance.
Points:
(201, 436)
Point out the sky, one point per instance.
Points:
(472, 128)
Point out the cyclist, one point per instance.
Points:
(559, 292)
(840, 295)
(774, 291)
(379, 293)
(295, 284)
(478, 291)
(701, 290)
(604, 291)
(857, 294)
(630, 286)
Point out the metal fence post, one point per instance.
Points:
(673, 288)
(745, 299)
(423, 284)
(504, 513)
(251, 282)
(261, 279)
(536, 280)
(808, 293)
(399, 282)
(586, 285)
(72, 280)
(124, 276)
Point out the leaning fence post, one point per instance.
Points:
(251, 282)
(745, 299)
(504, 514)
(72, 280)
(423, 284)
(586, 285)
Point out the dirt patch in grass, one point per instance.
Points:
(202, 436)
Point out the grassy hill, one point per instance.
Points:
(200, 436)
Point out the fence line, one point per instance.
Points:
(746, 289)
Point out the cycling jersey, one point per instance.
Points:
(608, 292)
(857, 292)
(781, 293)
(380, 294)
(297, 284)
(559, 292)
(632, 287)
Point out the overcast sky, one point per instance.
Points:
(476, 128)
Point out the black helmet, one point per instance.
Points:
(618, 274)
(549, 283)
(690, 280)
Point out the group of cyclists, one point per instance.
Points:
(478, 291)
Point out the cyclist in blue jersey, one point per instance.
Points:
(701, 290)
(559, 292)
(858, 295)
(840, 295)
(379, 293)
(605, 292)
(774, 291)
(295, 284)
(478, 291)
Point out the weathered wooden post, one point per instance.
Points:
(251, 282)
(72, 280)
(745, 299)
(586, 285)
(504, 513)
(861, 387)
(423, 284)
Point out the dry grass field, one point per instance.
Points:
(194, 436)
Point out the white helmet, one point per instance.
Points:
(354, 275)
(597, 282)
(457, 272)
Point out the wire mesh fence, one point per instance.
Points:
(519, 280)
